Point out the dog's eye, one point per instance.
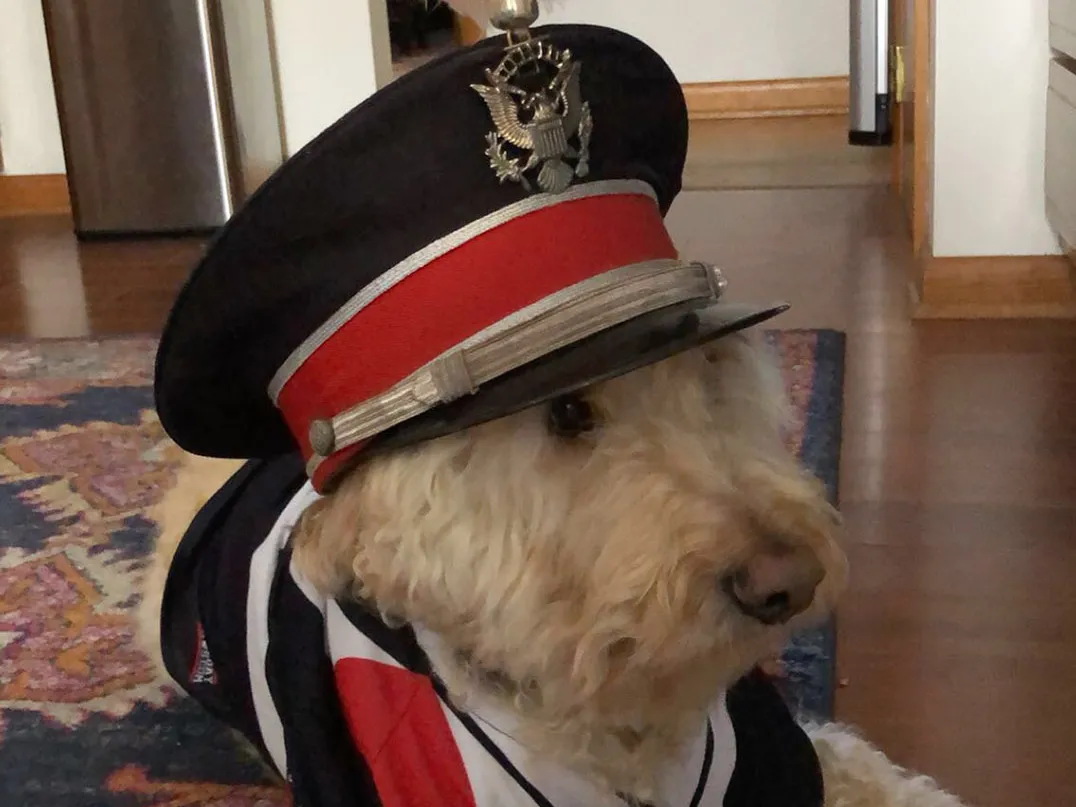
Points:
(570, 415)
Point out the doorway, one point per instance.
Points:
(912, 159)
(422, 30)
(890, 82)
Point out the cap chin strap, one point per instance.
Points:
(557, 321)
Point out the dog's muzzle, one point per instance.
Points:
(776, 584)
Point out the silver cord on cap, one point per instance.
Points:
(561, 319)
(451, 376)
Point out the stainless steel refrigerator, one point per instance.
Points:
(169, 110)
(870, 105)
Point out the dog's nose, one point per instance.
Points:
(776, 584)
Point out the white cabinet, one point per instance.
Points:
(1061, 124)
(1063, 26)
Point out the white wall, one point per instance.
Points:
(29, 129)
(328, 61)
(991, 65)
(332, 54)
(728, 40)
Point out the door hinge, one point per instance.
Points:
(898, 85)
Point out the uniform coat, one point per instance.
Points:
(349, 711)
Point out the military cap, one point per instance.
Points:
(483, 234)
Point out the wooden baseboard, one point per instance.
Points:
(794, 97)
(34, 195)
(999, 287)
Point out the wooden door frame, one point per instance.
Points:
(976, 286)
(923, 126)
(919, 63)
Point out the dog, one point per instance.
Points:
(601, 569)
(486, 499)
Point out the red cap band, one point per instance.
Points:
(465, 290)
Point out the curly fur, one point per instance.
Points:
(575, 582)
(859, 775)
(584, 573)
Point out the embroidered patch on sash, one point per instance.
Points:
(202, 670)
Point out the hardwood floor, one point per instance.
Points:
(958, 490)
(958, 477)
(796, 152)
(52, 286)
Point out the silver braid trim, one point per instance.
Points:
(563, 318)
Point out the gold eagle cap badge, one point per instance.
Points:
(541, 122)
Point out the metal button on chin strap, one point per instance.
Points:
(717, 279)
(322, 437)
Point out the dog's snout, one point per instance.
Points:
(776, 584)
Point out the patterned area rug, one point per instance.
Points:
(83, 720)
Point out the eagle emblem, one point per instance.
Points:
(538, 112)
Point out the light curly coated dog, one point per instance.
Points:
(592, 576)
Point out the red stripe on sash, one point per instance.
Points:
(399, 727)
